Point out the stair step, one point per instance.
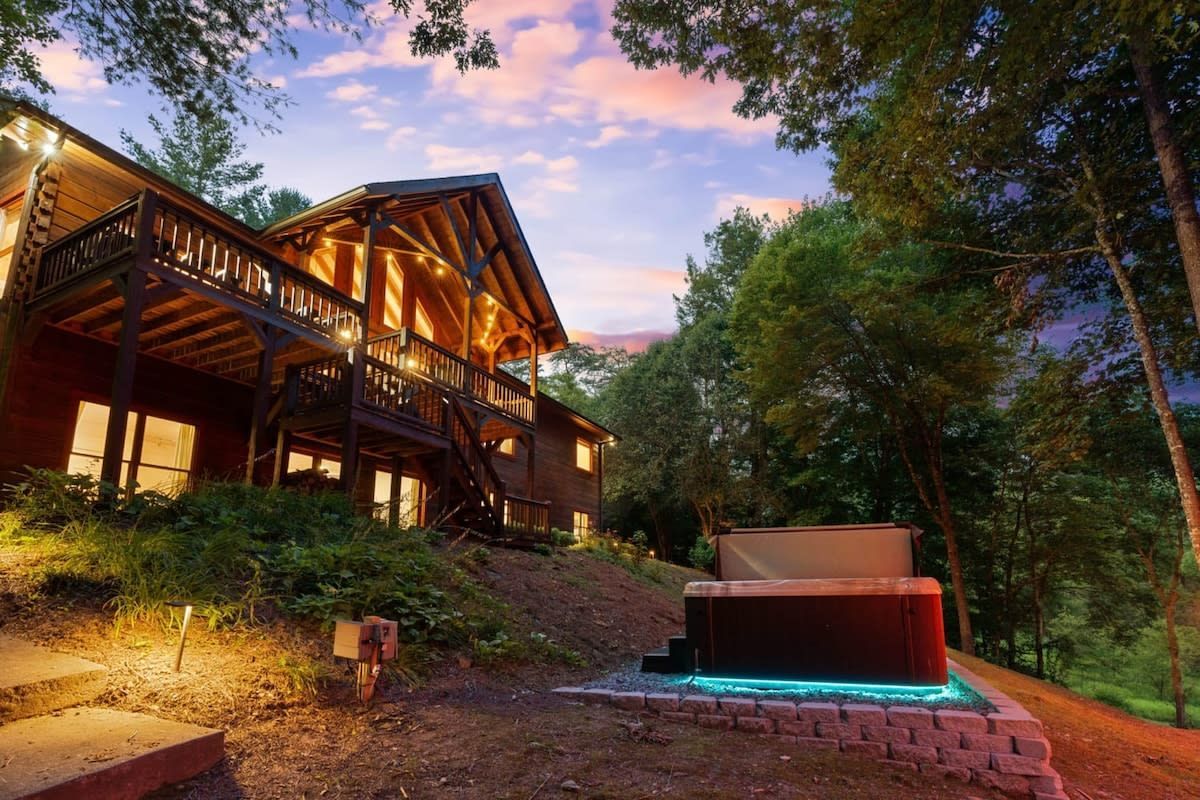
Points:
(36, 680)
(658, 661)
(101, 754)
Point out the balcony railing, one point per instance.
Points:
(525, 518)
(215, 258)
(407, 351)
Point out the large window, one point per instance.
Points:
(422, 324)
(583, 454)
(10, 219)
(157, 453)
(297, 462)
(409, 501)
(582, 525)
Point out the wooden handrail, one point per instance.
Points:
(110, 236)
(527, 517)
(476, 461)
(405, 349)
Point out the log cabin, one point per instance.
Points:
(152, 340)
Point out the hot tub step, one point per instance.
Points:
(658, 661)
(678, 648)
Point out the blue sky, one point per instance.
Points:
(615, 174)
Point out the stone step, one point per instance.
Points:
(36, 680)
(101, 754)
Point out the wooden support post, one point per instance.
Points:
(364, 487)
(283, 451)
(466, 342)
(262, 401)
(122, 392)
(394, 492)
(368, 287)
(349, 474)
(443, 504)
(533, 363)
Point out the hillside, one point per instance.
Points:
(468, 730)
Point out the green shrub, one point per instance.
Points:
(230, 549)
(702, 555)
(562, 538)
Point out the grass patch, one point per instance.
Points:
(242, 555)
(630, 557)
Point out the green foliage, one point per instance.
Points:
(303, 676)
(198, 59)
(561, 538)
(702, 555)
(232, 549)
(203, 156)
(626, 555)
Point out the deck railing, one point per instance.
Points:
(394, 391)
(405, 350)
(103, 241)
(216, 258)
(525, 518)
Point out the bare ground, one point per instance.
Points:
(471, 731)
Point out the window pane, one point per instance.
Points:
(383, 493)
(507, 446)
(83, 464)
(299, 461)
(166, 444)
(583, 454)
(91, 425)
(410, 501)
(582, 524)
(393, 296)
(334, 468)
(167, 481)
(423, 325)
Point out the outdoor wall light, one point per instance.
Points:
(346, 334)
(187, 617)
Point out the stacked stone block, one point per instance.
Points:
(1003, 749)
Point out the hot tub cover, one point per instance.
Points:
(814, 587)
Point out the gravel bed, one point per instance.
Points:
(957, 694)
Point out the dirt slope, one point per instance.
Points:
(1102, 752)
(493, 732)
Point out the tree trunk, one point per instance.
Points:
(1185, 478)
(1176, 672)
(1172, 164)
(962, 609)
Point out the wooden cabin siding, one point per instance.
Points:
(556, 478)
(62, 368)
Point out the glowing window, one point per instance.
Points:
(507, 446)
(583, 454)
(582, 524)
(298, 462)
(157, 453)
(10, 219)
(393, 295)
(422, 324)
(409, 501)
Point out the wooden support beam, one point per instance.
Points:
(466, 341)
(465, 248)
(283, 451)
(122, 391)
(262, 401)
(174, 337)
(368, 271)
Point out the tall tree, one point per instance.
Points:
(819, 320)
(197, 56)
(204, 157)
(997, 105)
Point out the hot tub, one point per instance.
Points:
(878, 630)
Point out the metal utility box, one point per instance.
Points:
(357, 640)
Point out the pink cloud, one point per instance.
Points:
(443, 158)
(67, 71)
(633, 341)
(777, 208)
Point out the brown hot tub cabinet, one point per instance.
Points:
(836, 604)
(850, 630)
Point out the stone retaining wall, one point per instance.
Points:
(1004, 749)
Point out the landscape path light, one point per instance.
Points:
(187, 617)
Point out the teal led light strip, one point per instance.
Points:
(799, 686)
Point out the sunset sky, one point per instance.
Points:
(614, 173)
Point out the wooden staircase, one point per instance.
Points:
(318, 395)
